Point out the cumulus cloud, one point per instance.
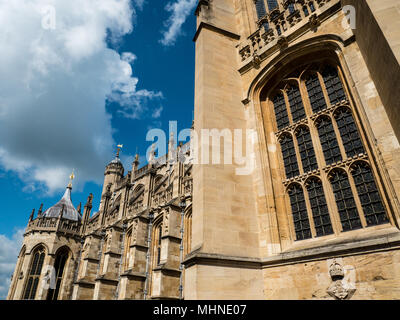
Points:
(179, 11)
(56, 74)
(9, 249)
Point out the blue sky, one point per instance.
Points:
(105, 75)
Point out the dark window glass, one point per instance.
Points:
(314, 89)
(272, 4)
(319, 208)
(59, 266)
(289, 156)
(281, 114)
(299, 213)
(291, 8)
(306, 12)
(348, 132)
(260, 8)
(159, 244)
(278, 29)
(368, 193)
(345, 201)
(328, 141)
(34, 274)
(266, 26)
(296, 103)
(306, 149)
(333, 85)
(312, 7)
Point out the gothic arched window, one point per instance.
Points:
(299, 212)
(315, 94)
(35, 270)
(59, 266)
(260, 8)
(282, 119)
(323, 125)
(319, 207)
(127, 249)
(333, 85)
(345, 201)
(349, 132)
(296, 103)
(157, 237)
(306, 149)
(368, 193)
(329, 143)
(289, 156)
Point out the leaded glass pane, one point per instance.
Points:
(299, 213)
(291, 8)
(345, 201)
(272, 4)
(349, 132)
(368, 193)
(327, 137)
(289, 157)
(319, 208)
(314, 89)
(260, 8)
(306, 149)
(333, 85)
(296, 103)
(282, 119)
(306, 12)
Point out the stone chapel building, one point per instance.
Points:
(319, 216)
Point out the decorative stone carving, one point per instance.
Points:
(314, 22)
(134, 232)
(282, 42)
(342, 286)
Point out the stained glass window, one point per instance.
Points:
(345, 201)
(289, 156)
(319, 208)
(315, 93)
(272, 4)
(281, 114)
(348, 132)
(34, 274)
(328, 140)
(333, 85)
(299, 212)
(296, 103)
(260, 8)
(306, 149)
(368, 193)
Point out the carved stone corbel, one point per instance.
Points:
(314, 22)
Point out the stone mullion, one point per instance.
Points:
(338, 137)
(297, 149)
(356, 198)
(309, 211)
(288, 109)
(331, 203)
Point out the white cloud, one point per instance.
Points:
(55, 83)
(9, 249)
(180, 10)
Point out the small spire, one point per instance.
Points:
(31, 216)
(71, 177)
(40, 209)
(79, 207)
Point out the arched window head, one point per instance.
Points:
(333, 84)
(315, 94)
(127, 249)
(349, 132)
(345, 200)
(306, 149)
(296, 103)
(319, 208)
(281, 115)
(59, 268)
(289, 156)
(329, 143)
(35, 270)
(368, 193)
(299, 212)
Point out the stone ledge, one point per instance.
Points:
(215, 29)
(385, 242)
